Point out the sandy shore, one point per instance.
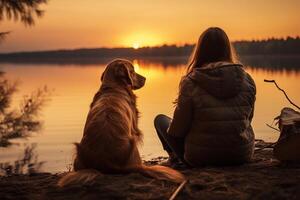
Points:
(264, 178)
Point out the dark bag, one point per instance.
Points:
(287, 147)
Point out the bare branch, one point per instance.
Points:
(3, 35)
(19, 123)
(180, 187)
(273, 81)
(273, 128)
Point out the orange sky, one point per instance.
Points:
(114, 23)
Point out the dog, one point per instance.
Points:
(111, 134)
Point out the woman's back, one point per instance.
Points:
(221, 97)
(214, 108)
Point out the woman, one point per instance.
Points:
(212, 120)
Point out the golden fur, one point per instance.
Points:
(111, 133)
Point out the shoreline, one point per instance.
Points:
(263, 178)
(267, 61)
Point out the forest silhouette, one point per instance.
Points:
(273, 46)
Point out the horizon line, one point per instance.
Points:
(147, 46)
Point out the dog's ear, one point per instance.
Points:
(103, 73)
(124, 73)
(102, 77)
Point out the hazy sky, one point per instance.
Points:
(115, 23)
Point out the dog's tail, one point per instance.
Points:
(76, 177)
(89, 175)
(160, 172)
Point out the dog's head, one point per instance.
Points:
(121, 72)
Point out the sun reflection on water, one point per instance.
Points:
(65, 115)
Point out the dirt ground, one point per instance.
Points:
(264, 178)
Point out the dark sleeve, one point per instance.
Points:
(253, 98)
(182, 116)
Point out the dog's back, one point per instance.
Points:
(107, 142)
(111, 134)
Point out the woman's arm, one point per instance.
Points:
(253, 97)
(182, 116)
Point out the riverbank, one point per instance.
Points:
(263, 178)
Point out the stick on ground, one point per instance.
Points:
(178, 190)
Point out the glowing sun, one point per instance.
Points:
(136, 45)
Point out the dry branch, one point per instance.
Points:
(276, 129)
(178, 190)
(273, 81)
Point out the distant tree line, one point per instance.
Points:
(288, 46)
(272, 46)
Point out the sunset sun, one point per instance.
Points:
(137, 39)
(136, 45)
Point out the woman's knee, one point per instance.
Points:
(162, 122)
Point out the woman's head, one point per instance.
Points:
(213, 46)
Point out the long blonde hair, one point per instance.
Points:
(213, 45)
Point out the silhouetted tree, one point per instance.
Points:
(19, 123)
(3, 35)
(15, 124)
(20, 10)
(28, 164)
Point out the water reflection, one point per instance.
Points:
(272, 63)
(76, 84)
(268, 62)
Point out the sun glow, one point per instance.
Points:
(138, 40)
(136, 66)
(136, 45)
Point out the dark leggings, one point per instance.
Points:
(170, 143)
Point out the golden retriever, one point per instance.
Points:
(111, 133)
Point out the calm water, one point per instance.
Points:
(74, 86)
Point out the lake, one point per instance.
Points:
(74, 85)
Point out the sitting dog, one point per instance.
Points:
(111, 133)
